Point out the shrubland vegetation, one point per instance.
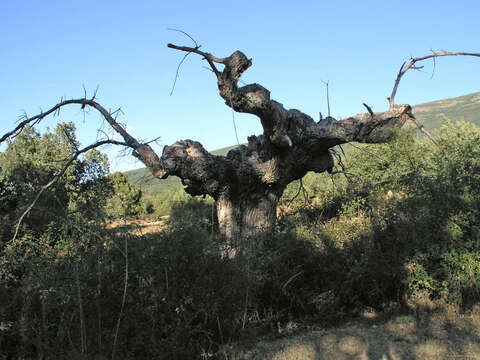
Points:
(397, 227)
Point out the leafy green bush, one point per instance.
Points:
(31, 161)
(403, 221)
(126, 199)
(407, 221)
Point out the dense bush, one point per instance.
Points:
(403, 220)
(125, 200)
(31, 161)
(172, 296)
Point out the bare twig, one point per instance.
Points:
(434, 65)
(95, 93)
(176, 73)
(85, 96)
(186, 34)
(153, 140)
(209, 57)
(424, 131)
(183, 59)
(284, 286)
(369, 110)
(411, 65)
(233, 120)
(129, 140)
(328, 98)
(301, 188)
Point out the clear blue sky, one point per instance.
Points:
(51, 48)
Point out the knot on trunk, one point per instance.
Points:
(199, 170)
(235, 65)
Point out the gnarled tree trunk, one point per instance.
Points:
(248, 182)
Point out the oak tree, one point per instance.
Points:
(248, 182)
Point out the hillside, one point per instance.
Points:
(466, 108)
(144, 179)
(430, 114)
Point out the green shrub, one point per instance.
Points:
(403, 222)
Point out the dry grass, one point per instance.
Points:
(442, 334)
(139, 227)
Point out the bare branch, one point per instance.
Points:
(178, 70)
(95, 93)
(186, 34)
(29, 121)
(85, 96)
(411, 65)
(141, 151)
(424, 131)
(328, 98)
(369, 110)
(153, 140)
(209, 57)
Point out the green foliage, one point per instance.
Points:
(31, 161)
(402, 221)
(126, 199)
(183, 295)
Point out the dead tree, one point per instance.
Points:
(248, 182)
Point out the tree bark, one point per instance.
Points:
(246, 214)
(248, 182)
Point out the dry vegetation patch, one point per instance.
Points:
(139, 227)
(444, 334)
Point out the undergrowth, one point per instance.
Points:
(399, 230)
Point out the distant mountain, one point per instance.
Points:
(431, 115)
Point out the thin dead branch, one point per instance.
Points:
(183, 59)
(424, 131)
(369, 110)
(186, 34)
(177, 72)
(141, 151)
(129, 140)
(328, 98)
(412, 65)
(207, 56)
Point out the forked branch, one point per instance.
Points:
(207, 56)
(412, 65)
(129, 140)
(141, 151)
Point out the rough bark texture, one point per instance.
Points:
(248, 182)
